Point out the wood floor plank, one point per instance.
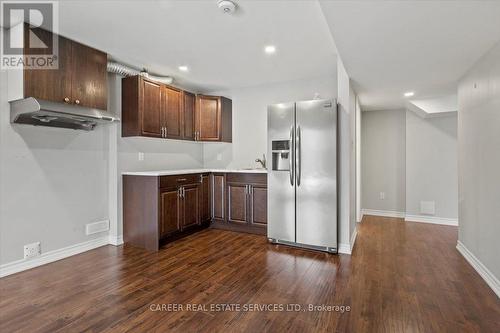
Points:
(402, 277)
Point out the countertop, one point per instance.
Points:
(188, 171)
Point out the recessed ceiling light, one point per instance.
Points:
(270, 49)
(409, 94)
(183, 68)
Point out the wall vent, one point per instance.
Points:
(95, 227)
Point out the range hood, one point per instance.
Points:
(38, 112)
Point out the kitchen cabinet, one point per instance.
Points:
(237, 203)
(190, 205)
(205, 204)
(142, 107)
(189, 105)
(157, 110)
(170, 217)
(80, 79)
(240, 202)
(173, 112)
(157, 209)
(218, 192)
(213, 118)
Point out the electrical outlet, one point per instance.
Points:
(32, 250)
(140, 156)
(382, 195)
(219, 157)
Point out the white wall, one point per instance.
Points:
(479, 160)
(250, 118)
(346, 123)
(431, 164)
(53, 181)
(411, 159)
(358, 161)
(383, 155)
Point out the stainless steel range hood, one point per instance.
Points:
(38, 112)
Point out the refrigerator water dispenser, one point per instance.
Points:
(281, 155)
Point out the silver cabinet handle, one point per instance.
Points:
(290, 156)
(183, 192)
(298, 155)
(181, 179)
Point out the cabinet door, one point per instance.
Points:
(237, 203)
(190, 205)
(170, 212)
(205, 198)
(49, 84)
(89, 85)
(219, 188)
(189, 116)
(151, 109)
(208, 118)
(172, 103)
(258, 204)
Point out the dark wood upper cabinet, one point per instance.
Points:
(189, 115)
(80, 79)
(153, 109)
(50, 84)
(89, 85)
(150, 108)
(173, 112)
(213, 118)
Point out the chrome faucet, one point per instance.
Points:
(262, 161)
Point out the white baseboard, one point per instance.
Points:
(353, 237)
(431, 219)
(344, 248)
(51, 256)
(115, 240)
(484, 272)
(384, 213)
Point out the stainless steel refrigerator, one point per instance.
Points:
(302, 175)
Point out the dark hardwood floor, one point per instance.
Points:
(402, 277)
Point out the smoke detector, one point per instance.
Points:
(227, 6)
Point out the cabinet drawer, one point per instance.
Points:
(247, 178)
(174, 181)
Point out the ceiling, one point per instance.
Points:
(222, 51)
(391, 47)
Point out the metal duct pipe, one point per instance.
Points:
(120, 69)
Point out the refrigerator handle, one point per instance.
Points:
(291, 157)
(298, 155)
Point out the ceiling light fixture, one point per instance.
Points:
(409, 94)
(270, 49)
(183, 68)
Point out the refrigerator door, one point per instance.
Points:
(280, 176)
(316, 173)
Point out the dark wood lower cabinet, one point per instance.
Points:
(158, 209)
(258, 204)
(190, 205)
(169, 212)
(244, 200)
